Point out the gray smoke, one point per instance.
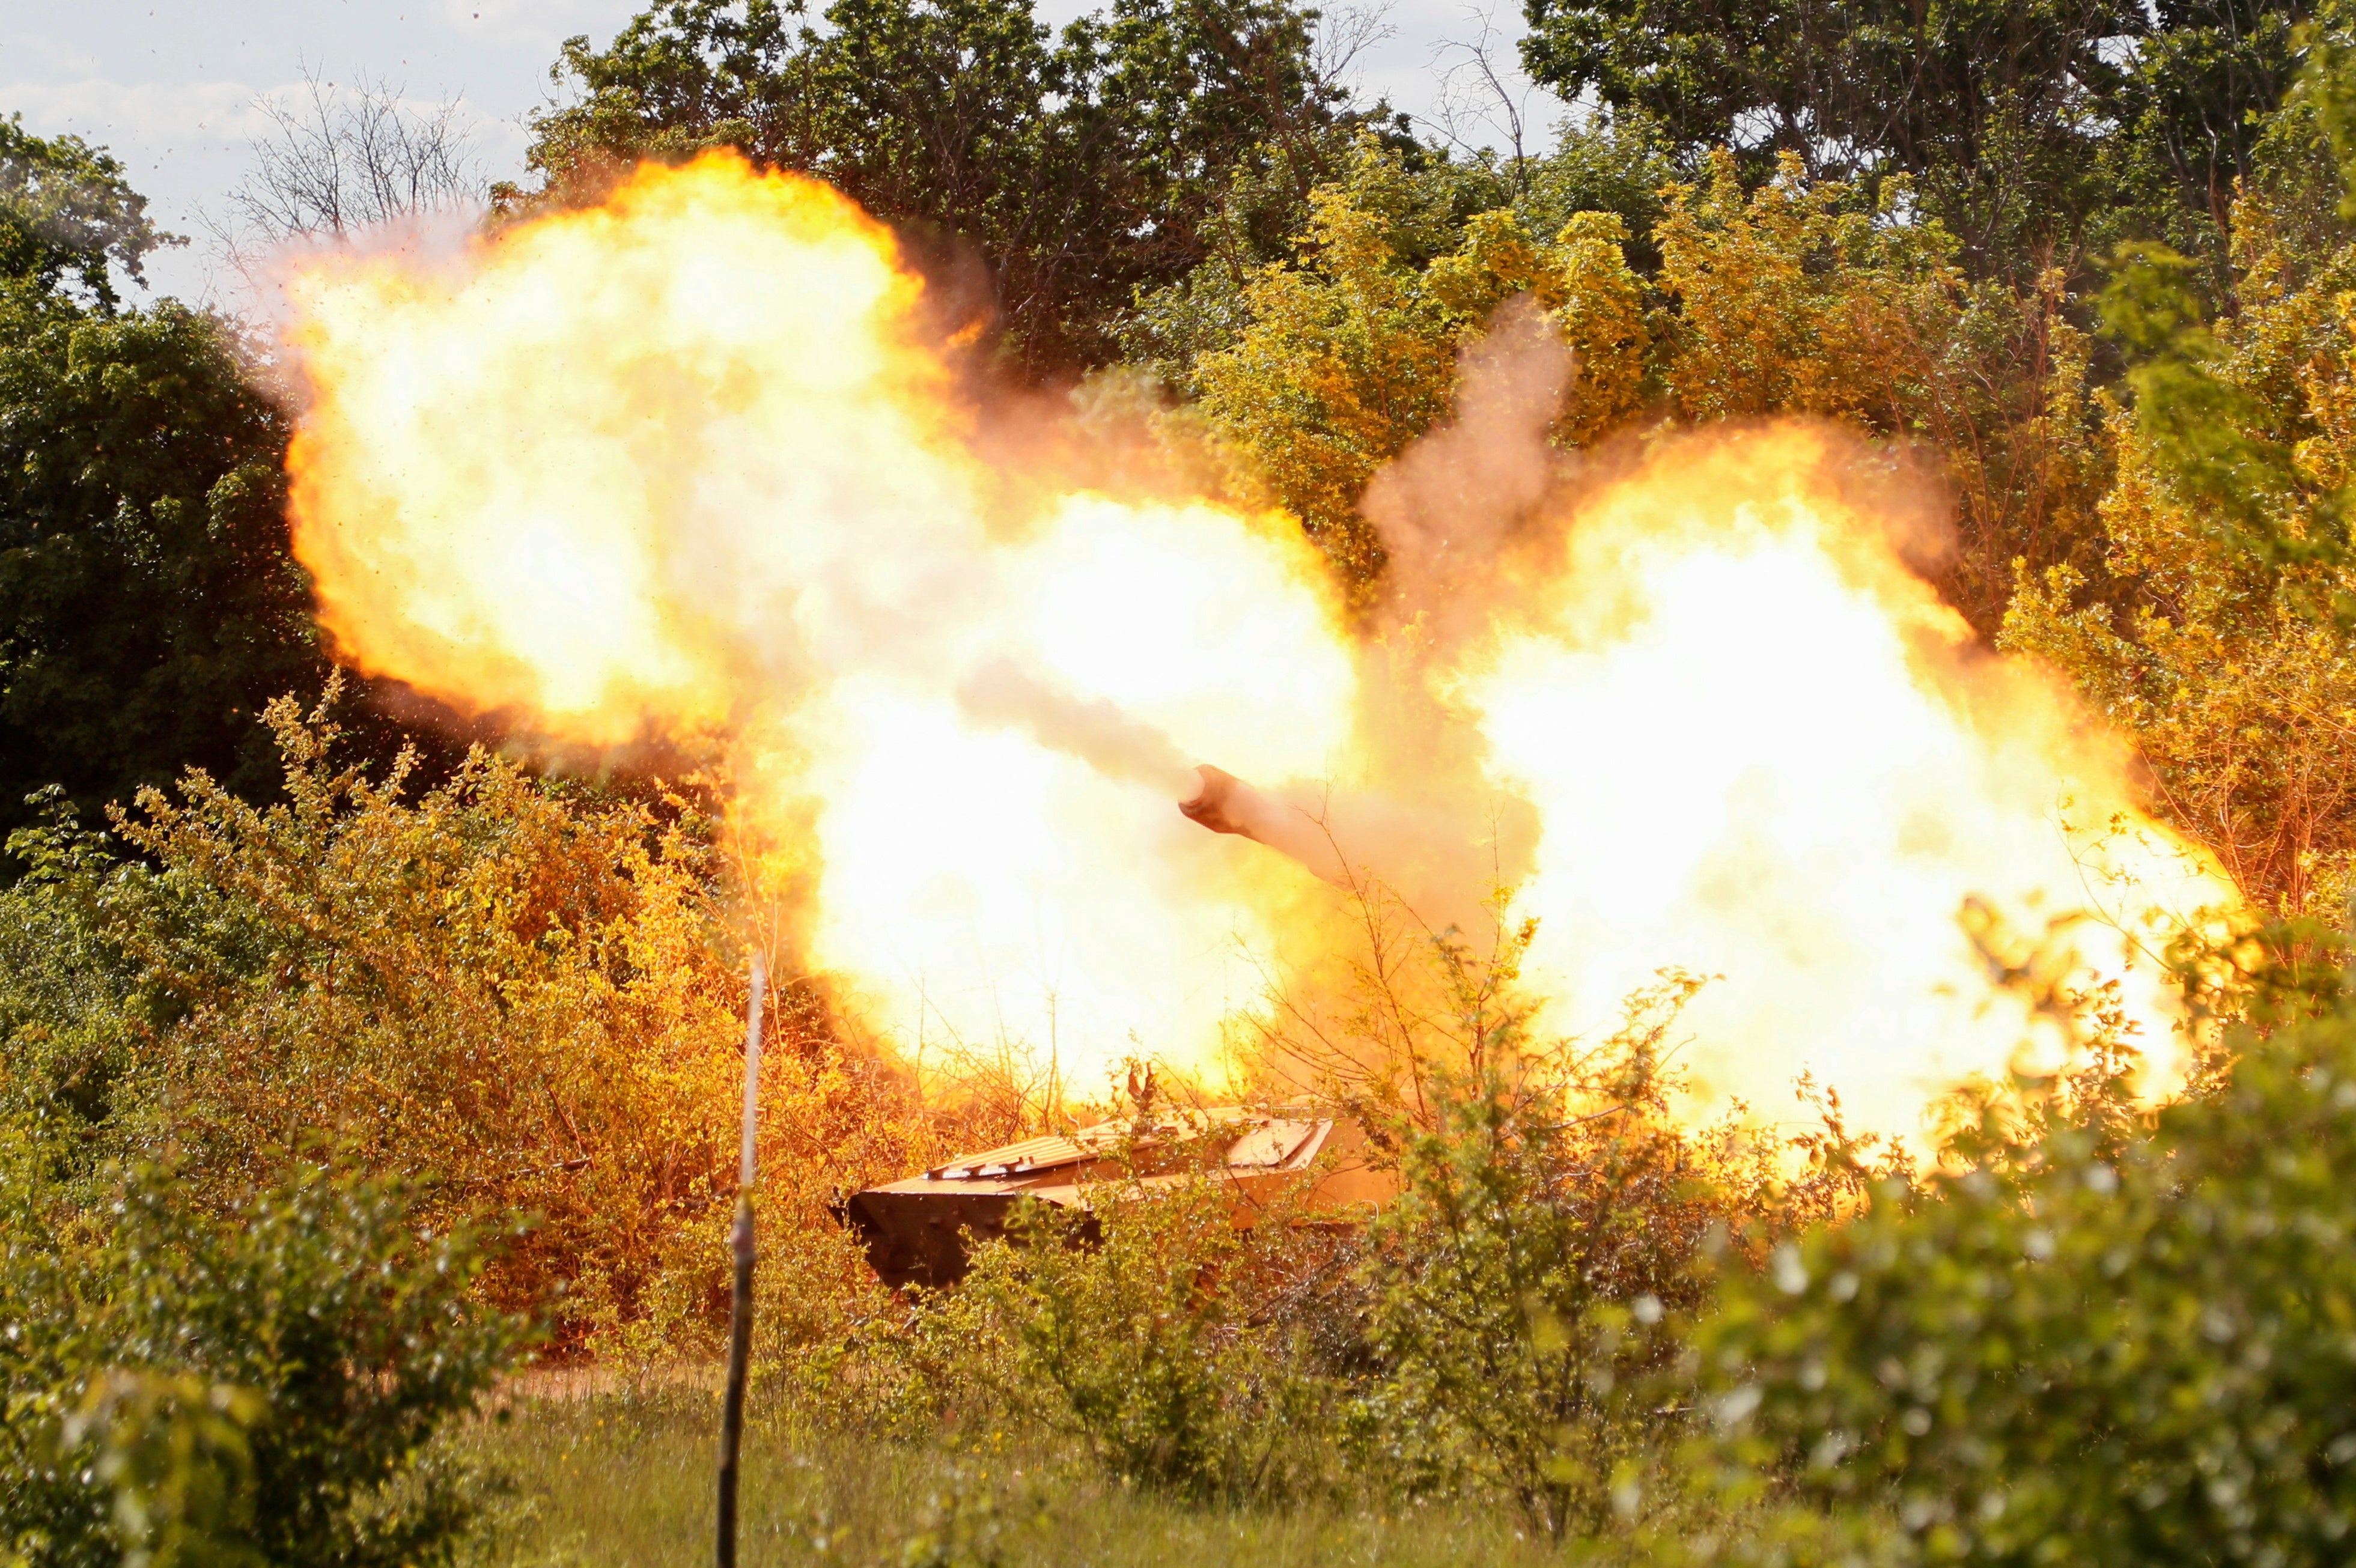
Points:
(1458, 497)
(1004, 695)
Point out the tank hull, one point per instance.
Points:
(920, 1232)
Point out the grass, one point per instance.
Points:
(627, 1478)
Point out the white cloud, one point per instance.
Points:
(141, 116)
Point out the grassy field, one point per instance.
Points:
(628, 1479)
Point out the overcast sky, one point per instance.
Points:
(171, 88)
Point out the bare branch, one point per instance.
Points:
(337, 159)
(1346, 32)
(334, 161)
(1478, 95)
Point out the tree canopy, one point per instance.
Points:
(1077, 167)
(67, 215)
(2037, 130)
(148, 604)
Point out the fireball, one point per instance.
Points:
(688, 467)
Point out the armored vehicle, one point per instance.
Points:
(916, 1231)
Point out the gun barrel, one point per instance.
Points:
(1227, 804)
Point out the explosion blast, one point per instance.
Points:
(688, 466)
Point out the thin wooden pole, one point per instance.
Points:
(740, 1327)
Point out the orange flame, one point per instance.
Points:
(1763, 750)
(686, 466)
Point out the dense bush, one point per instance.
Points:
(1155, 1331)
(256, 1385)
(1545, 1231)
(515, 993)
(2097, 1337)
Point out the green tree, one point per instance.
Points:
(149, 604)
(1080, 167)
(67, 215)
(2039, 131)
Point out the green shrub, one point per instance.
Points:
(175, 1454)
(2097, 1337)
(1552, 1218)
(253, 1387)
(526, 991)
(1152, 1330)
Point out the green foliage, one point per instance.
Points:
(1791, 298)
(148, 605)
(2212, 628)
(67, 215)
(1167, 1336)
(524, 993)
(1516, 1321)
(1503, 1328)
(1553, 1218)
(2093, 1339)
(1424, 203)
(2209, 435)
(68, 1005)
(1081, 167)
(174, 1452)
(251, 1386)
(2028, 130)
(2233, 689)
(2226, 439)
(1342, 361)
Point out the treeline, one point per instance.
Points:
(2088, 262)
